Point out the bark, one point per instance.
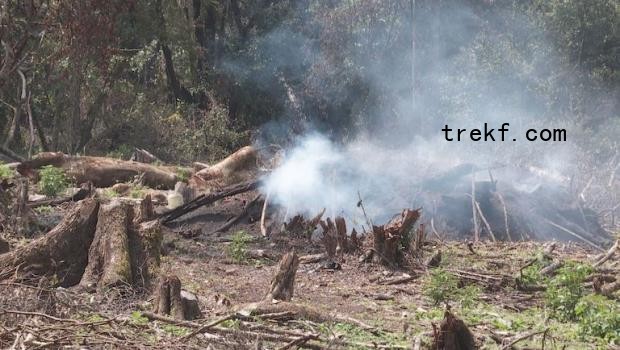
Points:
(62, 253)
(282, 284)
(101, 171)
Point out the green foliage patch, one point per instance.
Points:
(5, 172)
(52, 181)
(565, 290)
(238, 249)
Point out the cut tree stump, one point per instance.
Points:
(101, 171)
(453, 334)
(171, 300)
(387, 239)
(282, 284)
(109, 262)
(63, 252)
(124, 252)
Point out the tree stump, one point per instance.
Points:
(125, 251)
(453, 334)
(282, 284)
(387, 239)
(109, 262)
(63, 252)
(171, 300)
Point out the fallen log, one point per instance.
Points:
(101, 171)
(231, 169)
(206, 199)
(63, 252)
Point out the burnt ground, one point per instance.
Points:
(477, 285)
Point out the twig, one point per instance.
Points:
(501, 200)
(473, 207)
(484, 220)
(573, 234)
(360, 204)
(209, 326)
(263, 228)
(607, 255)
(524, 336)
(299, 341)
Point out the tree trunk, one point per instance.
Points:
(102, 172)
(61, 254)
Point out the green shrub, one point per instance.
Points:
(52, 181)
(565, 290)
(238, 248)
(598, 317)
(5, 172)
(441, 287)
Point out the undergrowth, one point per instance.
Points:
(5, 171)
(238, 249)
(52, 181)
(443, 287)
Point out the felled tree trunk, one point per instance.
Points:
(62, 253)
(282, 284)
(387, 238)
(125, 251)
(101, 171)
(237, 167)
(453, 334)
(171, 300)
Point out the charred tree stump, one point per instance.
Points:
(387, 239)
(124, 252)
(453, 334)
(171, 300)
(282, 284)
(63, 252)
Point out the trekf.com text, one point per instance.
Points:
(502, 134)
